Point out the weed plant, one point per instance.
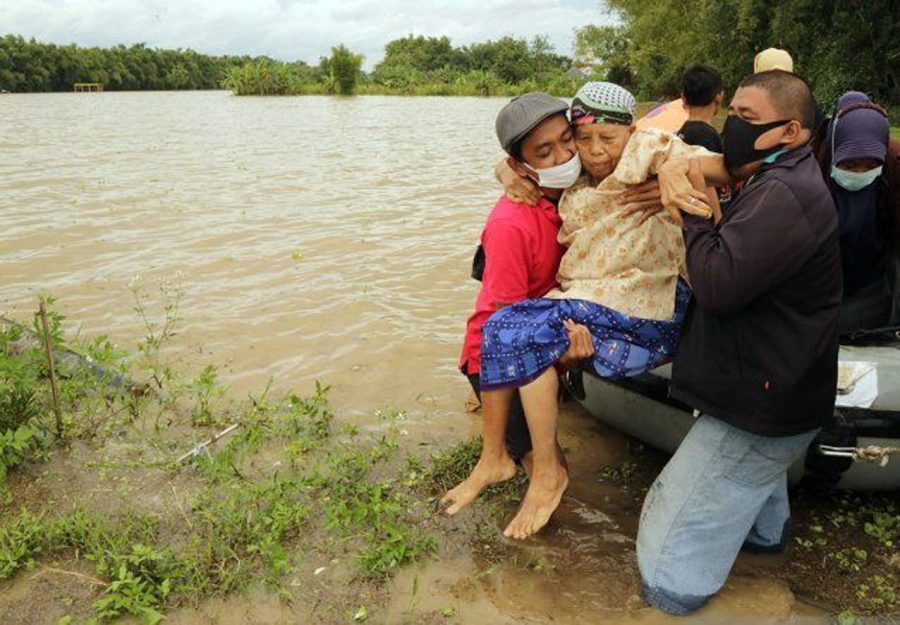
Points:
(282, 488)
(291, 486)
(856, 538)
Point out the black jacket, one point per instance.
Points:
(759, 345)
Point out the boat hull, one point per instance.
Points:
(641, 408)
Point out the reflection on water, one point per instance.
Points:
(323, 238)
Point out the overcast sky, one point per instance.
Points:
(293, 29)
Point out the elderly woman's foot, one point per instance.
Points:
(544, 494)
(485, 473)
(527, 461)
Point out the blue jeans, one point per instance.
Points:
(723, 489)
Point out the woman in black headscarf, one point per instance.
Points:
(862, 166)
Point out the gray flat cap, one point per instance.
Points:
(523, 113)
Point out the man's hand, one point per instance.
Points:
(581, 345)
(677, 192)
(518, 188)
(644, 198)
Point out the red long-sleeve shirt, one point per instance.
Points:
(521, 259)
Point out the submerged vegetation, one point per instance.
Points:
(287, 495)
(141, 514)
(851, 546)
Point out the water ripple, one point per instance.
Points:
(323, 237)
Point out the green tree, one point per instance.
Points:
(837, 44)
(424, 54)
(177, 77)
(28, 65)
(414, 65)
(260, 77)
(605, 49)
(508, 58)
(342, 69)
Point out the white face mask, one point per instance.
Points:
(850, 180)
(855, 180)
(559, 177)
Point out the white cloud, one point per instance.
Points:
(293, 29)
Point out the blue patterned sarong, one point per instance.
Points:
(522, 340)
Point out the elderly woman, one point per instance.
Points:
(862, 167)
(621, 277)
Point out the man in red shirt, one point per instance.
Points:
(520, 256)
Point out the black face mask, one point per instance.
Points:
(738, 138)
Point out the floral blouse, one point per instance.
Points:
(611, 259)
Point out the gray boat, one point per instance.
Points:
(846, 454)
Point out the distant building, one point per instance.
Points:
(88, 87)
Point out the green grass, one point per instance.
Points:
(895, 132)
(285, 485)
(291, 489)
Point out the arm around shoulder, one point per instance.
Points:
(520, 190)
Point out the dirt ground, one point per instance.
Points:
(580, 569)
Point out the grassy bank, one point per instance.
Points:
(129, 513)
(463, 88)
(270, 79)
(288, 500)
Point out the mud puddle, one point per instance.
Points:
(581, 569)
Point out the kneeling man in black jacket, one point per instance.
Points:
(758, 351)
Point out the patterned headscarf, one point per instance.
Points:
(602, 103)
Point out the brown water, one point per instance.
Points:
(321, 237)
(318, 238)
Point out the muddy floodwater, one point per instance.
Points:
(323, 239)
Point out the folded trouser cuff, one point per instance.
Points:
(753, 544)
(676, 604)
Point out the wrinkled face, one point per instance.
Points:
(600, 146)
(859, 165)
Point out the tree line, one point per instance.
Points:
(411, 65)
(837, 45)
(27, 65)
(418, 65)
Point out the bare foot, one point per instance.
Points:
(485, 473)
(544, 493)
(528, 461)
